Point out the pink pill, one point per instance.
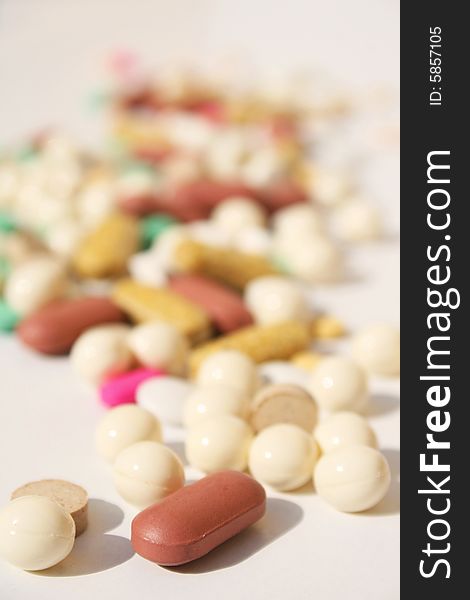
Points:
(122, 389)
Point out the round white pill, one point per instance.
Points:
(377, 349)
(313, 259)
(164, 397)
(253, 240)
(147, 268)
(123, 426)
(229, 367)
(209, 401)
(275, 299)
(236, 213)
(159, 345)
(353, 478)
(283, 456)
(34, 283)
(35, 533)
(146, 472)
(356, 221)
(297, 220)
(338, 383)
(219, 443)
(101, 352)
(344, 429)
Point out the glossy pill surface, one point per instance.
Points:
(146, 472)
(54, 328)
(276, 299)
(198, 518)
(344, 429)
(353, 478)
(123, 426)
(338, 383)
(160, 345)
(212, 400)
(221, 442)
(230, 368)
(377, 349)
(35, 533)
(283, 456)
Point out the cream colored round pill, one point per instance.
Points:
(283, 456)
(219, 443)
(344, 429)
(338, 383)
(253, 239)
(353, 478)
(229, 367)
(357, 221)
(159, 345)
(276, 299)
(297, 220)
(147, 472)
(34, 283)
(102, 351)
(212, 400)
(313, 259)
(377, 349)
(236, 213)
(35, 533)
(123, 426)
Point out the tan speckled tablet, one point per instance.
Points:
(72, 498)
(283, 403)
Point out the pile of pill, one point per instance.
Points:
(175, 275)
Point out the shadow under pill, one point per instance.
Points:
(281, 516)
(382, 404)
(178, 449)
(95, 550)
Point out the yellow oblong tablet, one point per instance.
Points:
(145, 303)
(106, 250)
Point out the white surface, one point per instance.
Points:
(303, 549)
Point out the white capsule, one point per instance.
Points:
(353, 478)
(338, 383)
(357, 221)
(274, 299)
(164, 397)
(213, 400)
(35, 533)
(101, 352)
(219, 443)
(159, 345)
(34, 283)
(236, 213)
(313, 259)
(377, 349)
(123, 426)
(231, 368)
(147, 472)
(283, 456)
(344, 429)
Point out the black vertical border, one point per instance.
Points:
(424, 129)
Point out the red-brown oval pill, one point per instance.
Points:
(54, 328)
(197, 518)
(224, 306)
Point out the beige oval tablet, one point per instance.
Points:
(283, 403)
(71, 497)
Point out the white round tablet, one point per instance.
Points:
(377, 349)
(274, 299)
(160, 345)
(229, 367)
(353, 478)
(164, 397)
(209, 401)
(344, 429)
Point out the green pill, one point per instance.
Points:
(153, 226)
(7, 223)
(8, 317)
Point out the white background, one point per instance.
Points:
(49, 61)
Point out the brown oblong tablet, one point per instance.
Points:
(73, 498)
(197, 518)
(224, 306)
(54, 328)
